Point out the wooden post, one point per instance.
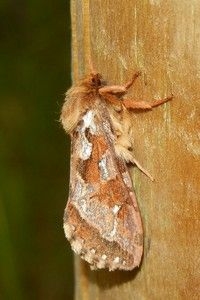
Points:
(161, 39)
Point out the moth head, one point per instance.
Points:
(92, 82)
(95, 80)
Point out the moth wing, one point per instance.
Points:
(102, 219)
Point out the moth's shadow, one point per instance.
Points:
(105, 279)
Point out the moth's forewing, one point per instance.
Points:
(102, 219)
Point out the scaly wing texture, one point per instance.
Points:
(102, 219)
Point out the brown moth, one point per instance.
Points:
(102, 219)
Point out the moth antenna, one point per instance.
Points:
(91, 67)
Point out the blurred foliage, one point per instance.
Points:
(35, 261)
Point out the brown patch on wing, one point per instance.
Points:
(91, 169)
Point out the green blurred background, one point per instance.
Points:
(35, 259)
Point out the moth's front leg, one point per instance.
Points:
(111, 92)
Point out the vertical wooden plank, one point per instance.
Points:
(162, 39)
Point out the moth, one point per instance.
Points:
(102, 219)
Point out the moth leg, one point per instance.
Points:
(134, 161)
(126, 155)
(131, 82)
(112, 99)
(124, 143)
(108, 91)
(131, 104)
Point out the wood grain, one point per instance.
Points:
(161, 39)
